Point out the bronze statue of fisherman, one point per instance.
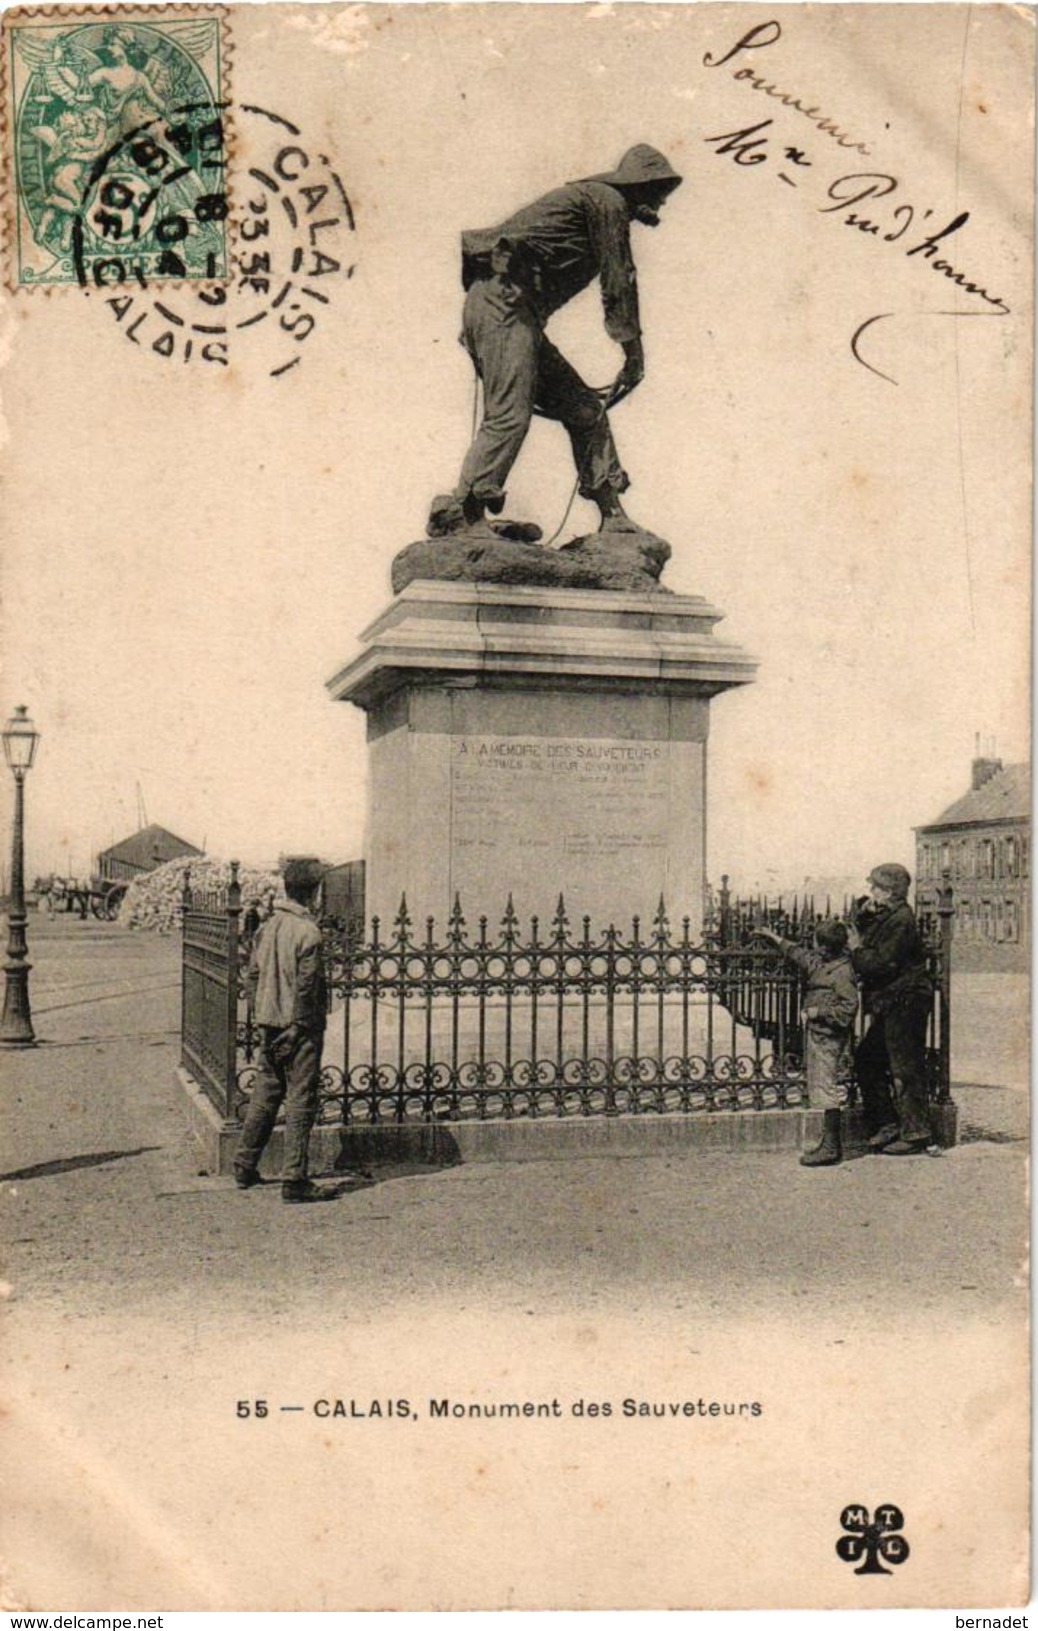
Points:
(516, 275)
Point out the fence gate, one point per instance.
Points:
(210, 989)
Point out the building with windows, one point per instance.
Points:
(142, 852)
(983, 841)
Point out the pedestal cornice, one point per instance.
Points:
(437, 633)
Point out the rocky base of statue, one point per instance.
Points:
(630, 560)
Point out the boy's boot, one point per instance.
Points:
(830, 1151)
(298, 1191)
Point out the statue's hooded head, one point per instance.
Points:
(646, 180)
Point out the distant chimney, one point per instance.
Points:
(983, 770)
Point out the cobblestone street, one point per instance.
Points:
(145, 1291)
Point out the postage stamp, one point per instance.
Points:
(115, 135)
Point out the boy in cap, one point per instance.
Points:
(290, 1008)
(889, 959)
(829, 1011)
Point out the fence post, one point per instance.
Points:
(946, 918)
(185, 907)
(233, 972)
(725, 903)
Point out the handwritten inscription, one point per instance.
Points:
(890, 217)
(770, 33)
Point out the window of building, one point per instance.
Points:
(1011, 857)
(1011, 921)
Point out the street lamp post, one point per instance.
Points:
(20, 738)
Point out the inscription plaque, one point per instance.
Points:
(553, 813)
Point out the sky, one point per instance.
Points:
(192, 553)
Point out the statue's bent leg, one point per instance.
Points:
(563, 395)
(503, 337)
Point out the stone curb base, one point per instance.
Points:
(547, 1138)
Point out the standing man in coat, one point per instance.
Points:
(889, 959)
(290, 1008)
(519, 273)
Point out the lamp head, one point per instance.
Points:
(20, 738)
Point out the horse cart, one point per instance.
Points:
(95, 897)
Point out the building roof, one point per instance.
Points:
(1006, 796)
(151, 845)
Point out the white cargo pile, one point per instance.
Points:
(153, 901)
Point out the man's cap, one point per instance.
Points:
(302, 872)
(893, 876)
(641, 166)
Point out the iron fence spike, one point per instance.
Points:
(753, 986)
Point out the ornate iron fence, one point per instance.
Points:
(734, 920)
(210, 1033)
(560, 1021)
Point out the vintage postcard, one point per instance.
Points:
(516, 615)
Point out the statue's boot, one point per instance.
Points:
(446, 516)
(452, 517)
(614, 517)
(619, 523)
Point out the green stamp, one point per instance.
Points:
(116, 133)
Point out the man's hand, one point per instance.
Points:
(283, 1045)
(631, 374)
(853, 937)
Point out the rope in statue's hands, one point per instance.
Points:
(608, 395)
(605, 398)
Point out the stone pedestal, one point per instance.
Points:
(534, 742)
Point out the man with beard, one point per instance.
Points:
(519, 273)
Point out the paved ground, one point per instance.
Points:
(125, 1263)
(96, 1153)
